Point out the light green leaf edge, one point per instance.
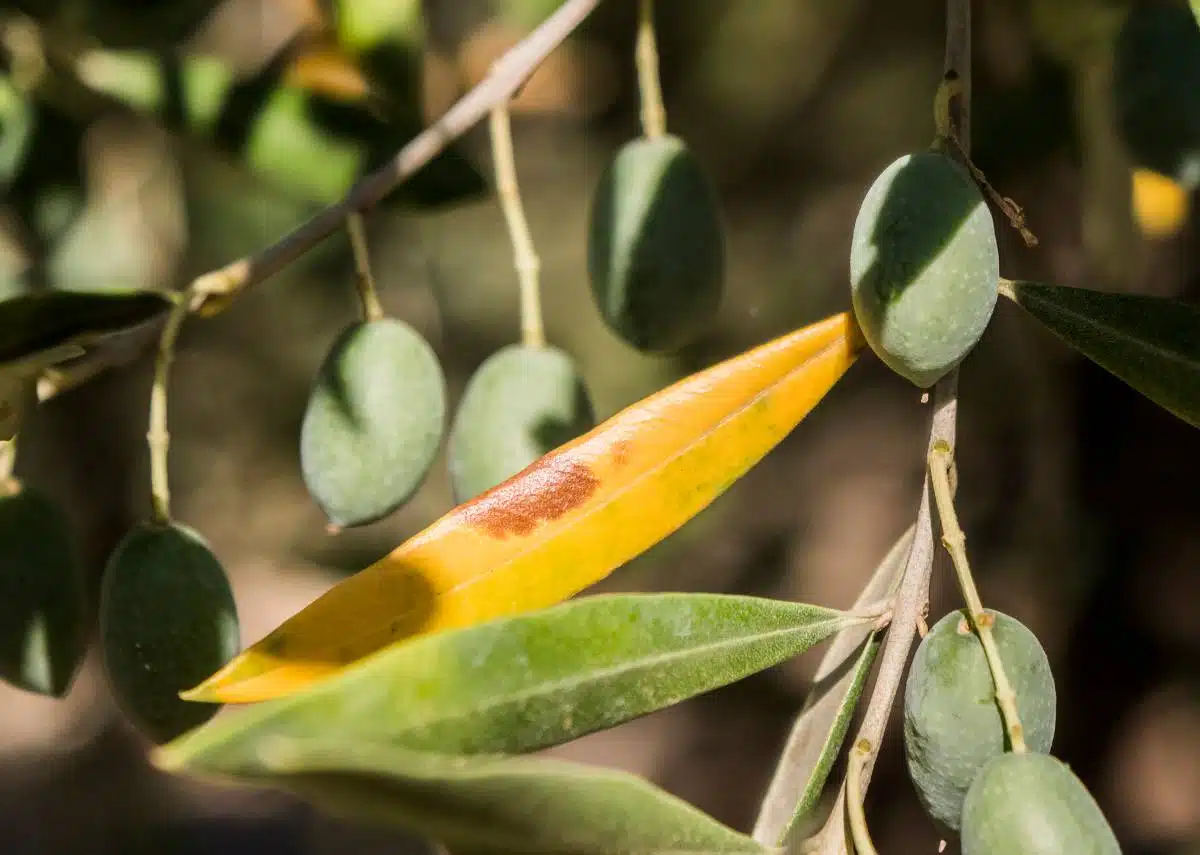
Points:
(529, 681)
(820, 729)
(1148, 364)
(488, 805)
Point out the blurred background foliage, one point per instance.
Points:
(119, 171)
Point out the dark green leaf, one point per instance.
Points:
(46, 327)
(538, 679)
(492, 805)
(820, 729)
(1152, 343)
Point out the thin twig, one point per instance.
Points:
(157, 437)
(909, 609)
(654, 114)
(860, 833)
(955, 541)
(368, 295)
(219, 287)
(913, 595)
(792, 793)
(525, 257)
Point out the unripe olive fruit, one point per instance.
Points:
(522, 403)
(952, 723)
(374, 422)
(168, 620)
(656, 247)
(1033, 804)
(924, 266)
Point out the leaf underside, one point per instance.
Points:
(1151, 343)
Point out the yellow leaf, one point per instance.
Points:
(1160, 205)
(562, 524)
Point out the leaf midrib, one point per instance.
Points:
(614, 671)
(1117, 333)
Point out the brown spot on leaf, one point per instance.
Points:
(543, 493)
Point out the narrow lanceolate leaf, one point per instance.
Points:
(563, 523)
(1152, 343)
(45, 327)
(819, 731)
(527, 682)
(478, 805)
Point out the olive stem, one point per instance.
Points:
(8, 461)
(948, 136)
(913, 594)
(941, 460)
(218, 288)
(654, 114)
(525, 257)
(855, 815)
(157, 437)
(368, 295)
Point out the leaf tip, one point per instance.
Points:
(167, 758)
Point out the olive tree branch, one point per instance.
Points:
(219, 287)
(913, 595)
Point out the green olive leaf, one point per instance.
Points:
(538, 679)
(482, 805)
(1151, 343)
(820, 729)
(44, 328)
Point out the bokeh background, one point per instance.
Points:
(1077, 494)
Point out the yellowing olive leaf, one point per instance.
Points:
(819, 731)
(527, 682)
(478, 805)
(563, 523)
(1151, 343)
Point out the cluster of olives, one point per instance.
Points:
(924, 282)
(966, 775)
(376, 417)
(372, 429)
(167, 613)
